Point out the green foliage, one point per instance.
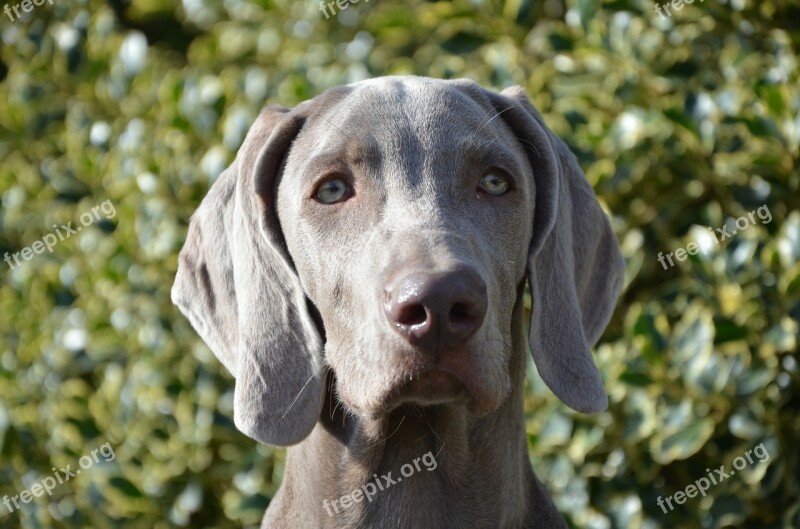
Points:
(679, 124)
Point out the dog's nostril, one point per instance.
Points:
(434, 310)
(412, 315)
(460, 312)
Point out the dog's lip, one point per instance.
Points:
(429, 387)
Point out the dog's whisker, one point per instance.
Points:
(298, 396)
(332, 124)
(493, 117)
(440, 450)
(428, 424)
(488, 143)
(531, 144)
(388, 436)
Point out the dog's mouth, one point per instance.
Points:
(452, 380)
(428, 388)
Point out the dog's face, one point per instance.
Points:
(407, 212)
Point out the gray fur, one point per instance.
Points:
(290, 295)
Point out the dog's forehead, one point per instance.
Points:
(395, 111)
(422, 101)
(409, 123)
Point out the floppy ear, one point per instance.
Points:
(575, 269)
(236, 285)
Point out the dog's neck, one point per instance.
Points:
(481, 475)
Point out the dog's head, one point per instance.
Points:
(384, 230)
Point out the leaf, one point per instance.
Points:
(683, 443)
(635, 379)
(463, 42)
(125, 486)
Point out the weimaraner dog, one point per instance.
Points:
(359, 269)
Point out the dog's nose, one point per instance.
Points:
(437, 310)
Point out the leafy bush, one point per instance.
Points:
(680, 124)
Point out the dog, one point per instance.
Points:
(360, 270)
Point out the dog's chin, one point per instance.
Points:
(454, 379)
(433, 387)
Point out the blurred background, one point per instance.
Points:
(681, 124)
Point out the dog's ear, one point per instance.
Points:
(237, 286)
(575, 268)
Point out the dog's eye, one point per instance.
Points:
(494, 184)
(332, 191)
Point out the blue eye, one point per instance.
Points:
(494, 184)
(332, 191)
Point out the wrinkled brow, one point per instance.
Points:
(342, 157)
(489, 150)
